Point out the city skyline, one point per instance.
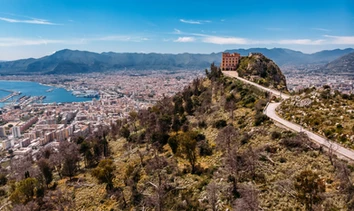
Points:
(39, 28)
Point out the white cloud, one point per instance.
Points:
(321, 29)
(300, 42)
(185, 39)
(14, 41)
(29, 21)
(231, 40)
(119, 38)
(9, 42)
(341, 40)
(190, 21)
(244, 41)
(224, 40)
(194, 21)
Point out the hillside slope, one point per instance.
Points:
(324, 111)
(207, 148)
(342, 65)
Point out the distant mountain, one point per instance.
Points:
(284, 56)
(69, 61)
(73, 61)
(342, 65)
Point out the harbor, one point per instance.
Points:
(13, 93)
(86, 93)
(8, 97)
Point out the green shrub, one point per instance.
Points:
(282, 160)
(220, 124)
(260, 118)
(202, 124)
(173, 143)
(276, 135)
(3, 179)
(2, 192)
(205, 148)
(245, 138)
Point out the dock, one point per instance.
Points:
(5, 90)
(4, 99)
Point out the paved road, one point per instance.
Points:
(271, 113)
(275, 92)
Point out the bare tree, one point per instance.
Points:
(58, 200)
(346, 186)
(212, 190)
(227, 138)
(332, 148)
(46, 170)
(250, 165)
(30, 206)
(249, 199)
(70, 157)
(22, 168)
(232, 167)
(230, 105)
(156, 168)
(45, 152)
(227, 142)
(57, 162)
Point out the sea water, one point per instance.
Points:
(57, 95)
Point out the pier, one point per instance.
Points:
(4, 99)
(5, 90)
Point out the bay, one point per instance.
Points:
(58, 95)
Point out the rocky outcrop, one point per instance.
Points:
(260, 69)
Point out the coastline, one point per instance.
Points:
(59, 94)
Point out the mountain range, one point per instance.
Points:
(283, 56)
(73, 61)
(342, 65)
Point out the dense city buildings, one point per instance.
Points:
(301, 77)
(229, 61)
(26, 127)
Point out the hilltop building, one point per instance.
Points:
(229, 61)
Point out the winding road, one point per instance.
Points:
(341, 151)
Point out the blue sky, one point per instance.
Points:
(34, 28)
